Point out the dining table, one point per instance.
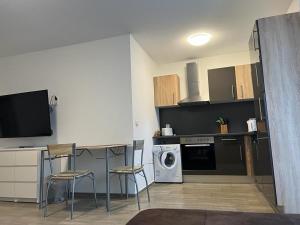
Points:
(111, 150)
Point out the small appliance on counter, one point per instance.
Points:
(252, 127)
(167, 131)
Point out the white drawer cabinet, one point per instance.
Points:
(19, 175)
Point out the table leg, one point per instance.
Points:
(126, 176)
(107, 180)
(41, 194)
(69, 163)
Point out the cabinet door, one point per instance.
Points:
(264, 168)
(27, 158)
(26, 174)
(257, 78)
(222, 86)
(260, 113)
(7, 174)
(256, 67)
(230, 156)
(26, 190)
(7, 158)
(7, 189)
(258, 165)
(244, 86)
(166, 90)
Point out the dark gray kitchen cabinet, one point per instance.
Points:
(230, 156)
(264, 177)
(256, 63)
(262, 152)
(222, 84)
(258, 164)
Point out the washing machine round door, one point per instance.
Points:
(168, 160)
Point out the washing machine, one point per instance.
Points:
(167, 164)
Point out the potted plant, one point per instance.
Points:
(223, 124)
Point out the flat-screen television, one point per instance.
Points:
(25, 115)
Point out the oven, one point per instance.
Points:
(198, 153)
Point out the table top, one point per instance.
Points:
(100, 147)
(80, 147)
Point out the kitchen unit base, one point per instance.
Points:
(233, 152)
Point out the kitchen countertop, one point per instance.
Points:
(208, 135)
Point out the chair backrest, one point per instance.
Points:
(138, 145)
(61, 151)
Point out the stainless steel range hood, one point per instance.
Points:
(193, 93)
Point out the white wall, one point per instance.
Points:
(204, 64)
(294, 7)
(93, 85)
(145, 121)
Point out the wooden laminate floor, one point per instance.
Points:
(227, 197)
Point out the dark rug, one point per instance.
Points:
(200, 217)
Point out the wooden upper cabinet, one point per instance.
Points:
(166, 90)
(244, 85)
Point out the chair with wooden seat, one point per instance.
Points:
(62, 151)
(136, 168)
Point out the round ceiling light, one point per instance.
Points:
(199, 39)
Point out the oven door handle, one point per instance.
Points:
(199, 145)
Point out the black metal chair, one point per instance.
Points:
(133, 169)
(61, 151)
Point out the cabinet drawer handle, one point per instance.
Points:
(173, 98)
(253, 36)
(256, 75)
(260, 110)
(254, 42)
(232, 91)
(241, 154)
(199, 145)
(263, 138)
(242, 91)
(228, 139)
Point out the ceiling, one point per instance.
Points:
(160, 26)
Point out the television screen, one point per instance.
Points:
(25, 115)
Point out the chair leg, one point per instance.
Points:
(94, 188)
(69, 191)
(126, 186)
(49, 183)
(67, 194)
(137, 191)
(73, 193)
(147, 186)
(121, 188)
(108, 194)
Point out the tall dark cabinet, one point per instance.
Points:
(262, 154)
(275, 51)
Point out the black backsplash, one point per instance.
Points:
(202, 119)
